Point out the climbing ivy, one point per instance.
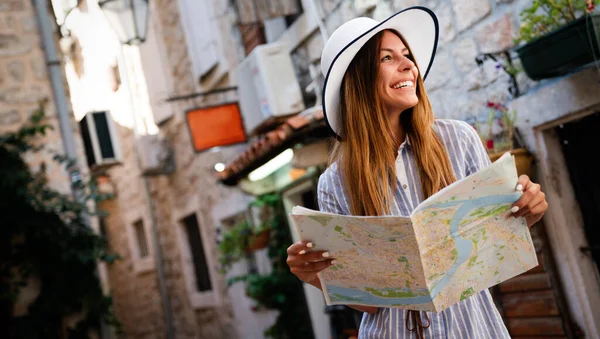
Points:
(44, 235)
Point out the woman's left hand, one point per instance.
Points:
(532, 205)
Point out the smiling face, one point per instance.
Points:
(398, 73)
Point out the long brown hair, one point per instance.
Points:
(367, 152)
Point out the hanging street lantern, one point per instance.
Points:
(129, 19)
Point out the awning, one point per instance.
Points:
(302, 128)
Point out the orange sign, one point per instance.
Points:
(215, 126)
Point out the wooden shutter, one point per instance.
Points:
(201, 35)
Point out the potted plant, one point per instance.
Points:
(559, 36)
(232, 246)
(498, 134)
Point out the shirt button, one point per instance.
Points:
(404, 186)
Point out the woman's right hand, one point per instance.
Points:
(305, 263)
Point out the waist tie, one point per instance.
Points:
(414, 317)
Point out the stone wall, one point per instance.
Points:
(457, 87)
(24, 84)
(192, 183)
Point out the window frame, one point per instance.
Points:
(93, 134)
(205, 299)
(145, 264)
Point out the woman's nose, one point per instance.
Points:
(405, 64)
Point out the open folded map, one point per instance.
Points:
(455, 244)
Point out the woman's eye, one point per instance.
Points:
(409, 57)
(385, 58)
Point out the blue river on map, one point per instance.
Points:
(463, 248)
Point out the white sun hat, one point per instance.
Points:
(419, 27)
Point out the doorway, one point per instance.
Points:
(580, 142)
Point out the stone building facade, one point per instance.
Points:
(460, 88)
(148, 88)
(152, 216)
(25, 84)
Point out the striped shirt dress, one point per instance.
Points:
(474, 318)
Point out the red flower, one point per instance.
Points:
(490, 104)
(490, 144)
(590, 5)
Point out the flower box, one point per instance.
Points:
(562, 50)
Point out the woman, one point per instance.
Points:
(391, 154)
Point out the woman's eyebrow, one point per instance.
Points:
(392, 50)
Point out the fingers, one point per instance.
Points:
(538, 199)
(312, 267)
(530, 195)
(539, 208)
(299, 247)
(523, 183)
(300, 259)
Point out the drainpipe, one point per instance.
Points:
(62, 109)
(58, 90)
(60, 98)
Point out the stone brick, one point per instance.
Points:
(382, 11)
(11, 5)
(447, 30)
(9, 117)
(399, 5)
(16, 69)
(441, 71)
(19, 95)
(495, 36)
(347, 11)
(469, 12)
(464, 53)
(435, 98)
(483, 75)
(431, 3)
(7, 23)
(28, 24)
(38, 66)
(13, 45)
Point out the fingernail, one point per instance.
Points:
(515, 209)
(519, 187)
(333, 262)
(325, 254)
(302, 252)
(309, 245)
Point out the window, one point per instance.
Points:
(194, 239)
(197, 259)
(140, 235)
(99, 139)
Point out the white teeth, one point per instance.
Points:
(403, 84)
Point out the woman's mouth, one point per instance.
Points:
(403, 84)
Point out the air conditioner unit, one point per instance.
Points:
(156, 155)
(267, 86)
(100, 139)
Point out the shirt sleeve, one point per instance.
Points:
(326, 193)
(476, 156)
